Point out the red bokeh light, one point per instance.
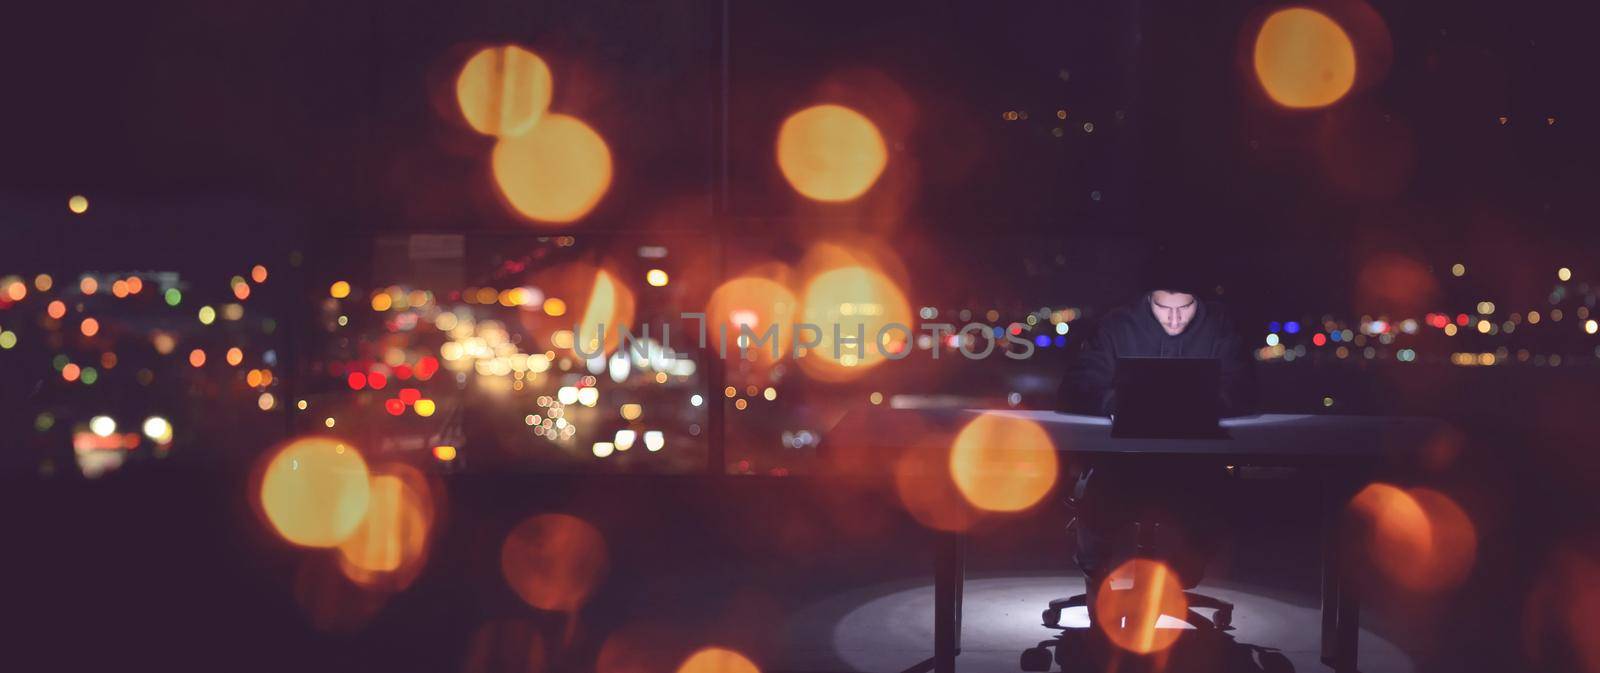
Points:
(426, 367)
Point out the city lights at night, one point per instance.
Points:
(721, 337)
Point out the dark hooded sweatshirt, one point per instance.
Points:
(1134, 331)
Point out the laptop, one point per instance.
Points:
(1168, 398)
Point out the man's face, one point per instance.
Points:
(1173, 310)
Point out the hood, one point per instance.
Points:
(1145, 308)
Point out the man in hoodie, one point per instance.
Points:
(1169, 320)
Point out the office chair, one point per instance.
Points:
(1222, 611)
(1146, 529)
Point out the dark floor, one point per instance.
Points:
(170, 570)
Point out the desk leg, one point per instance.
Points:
(1330, 571)
(1341, 596)
(949, 569)
(1349, 620)
(961, 583)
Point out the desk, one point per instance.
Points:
(1342, 449)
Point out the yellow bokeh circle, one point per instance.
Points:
(831, 152)
(315, 491)
(1304, 59)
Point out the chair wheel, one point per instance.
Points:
(1051, 617)
(1036, 659)
(1074, 653)
(1223, 618)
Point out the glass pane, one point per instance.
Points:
(468, 342)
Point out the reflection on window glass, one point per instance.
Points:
(488, 353)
